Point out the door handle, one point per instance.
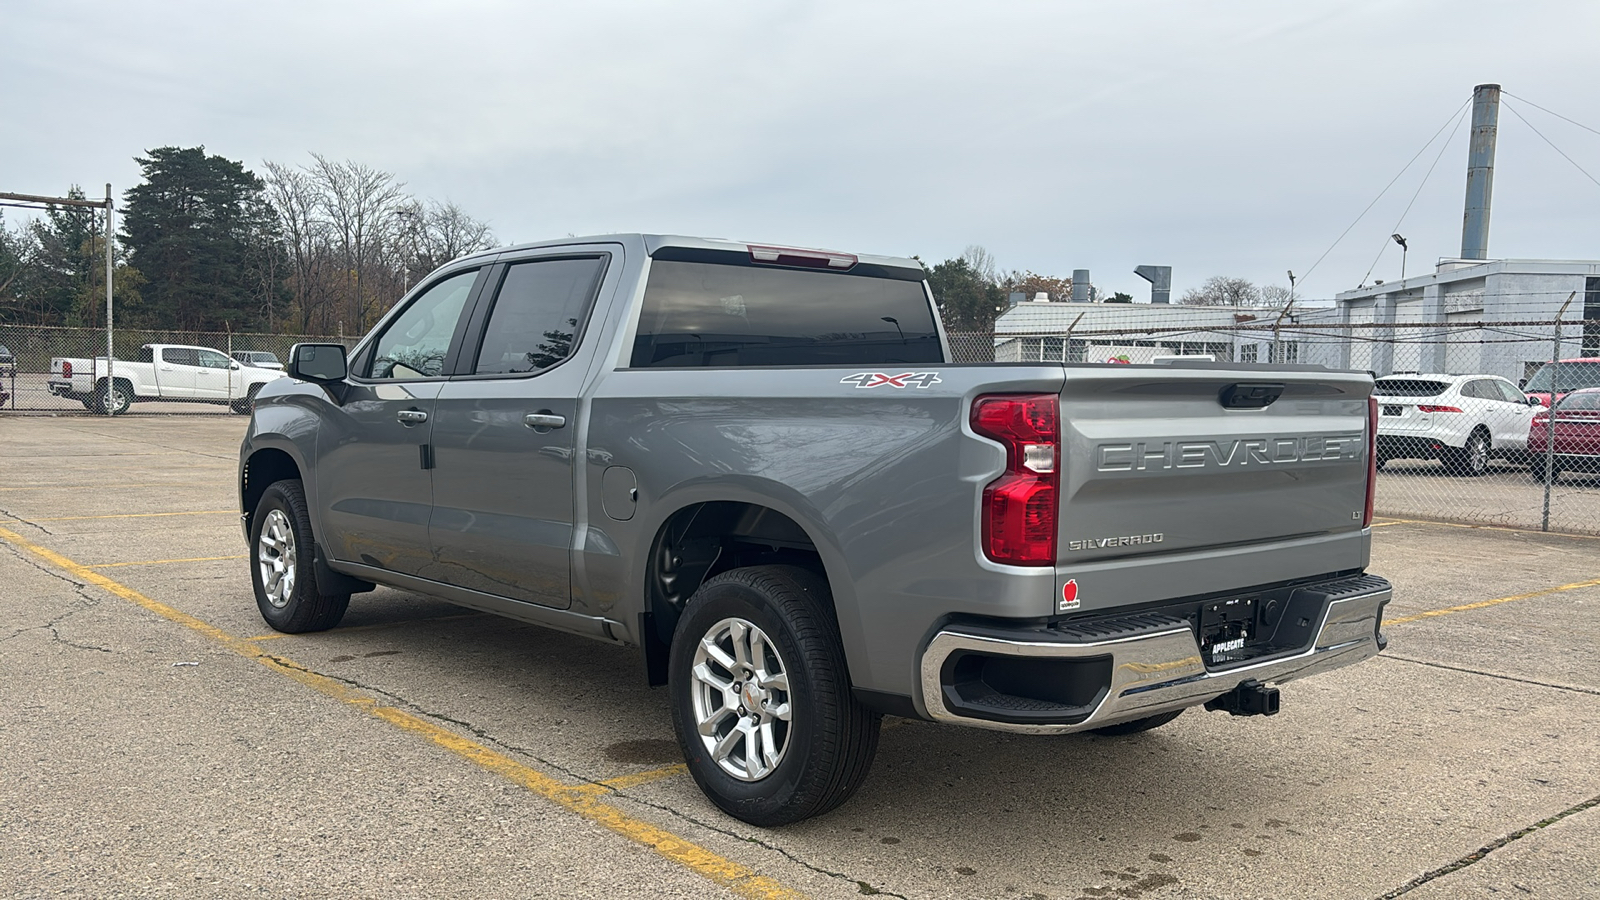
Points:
(411, 416)
(544, 420)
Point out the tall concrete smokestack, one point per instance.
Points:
(1480, 171)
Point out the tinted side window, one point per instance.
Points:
(1509, 392)
(180, 356)
(415, 344)
(537, 315)
(706, 314)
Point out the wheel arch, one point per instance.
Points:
(702, 536)
(258, 471)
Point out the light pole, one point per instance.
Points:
(1403, 250)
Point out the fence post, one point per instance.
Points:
(111, 384)
(1550, 417)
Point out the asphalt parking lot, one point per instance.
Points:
(160, 741)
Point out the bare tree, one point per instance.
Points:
(298, 202)
(1274, 295)
(982, 263)
(360, 203)
(1221, 290)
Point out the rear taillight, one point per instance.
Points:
(1432, 409)
(1019, 507)
(1372, 459)
(66, 370)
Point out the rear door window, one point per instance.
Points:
(538, 314)
(715, 314)
(180, 356)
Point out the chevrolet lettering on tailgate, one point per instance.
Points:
(1143, 456)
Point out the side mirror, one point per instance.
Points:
(233, 365)
(318, 363)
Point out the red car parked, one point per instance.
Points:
(1577, 435)
(1566, 375)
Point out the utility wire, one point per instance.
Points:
(1550, 111)
(1551, 143)
(1385, 190)
(1442, 147)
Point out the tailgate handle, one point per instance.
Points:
(1249, 395)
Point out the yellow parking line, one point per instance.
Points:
(278, 635)
(162, 562)
(198, 512)
(1482, 604)
(623, 782)
(735, 877)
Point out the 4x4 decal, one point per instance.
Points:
(877, 379)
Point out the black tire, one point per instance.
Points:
(301, 606)
(248, 405)
(1536, 469)
(1471, 460)
(118, 399)
(1138, 725)
(826, 747)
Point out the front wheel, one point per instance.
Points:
(247, 404)
(282, 570)
(761, 699)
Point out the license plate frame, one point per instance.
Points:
(1226, 628)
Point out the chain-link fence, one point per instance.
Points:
(62, 370)
(1460, 440)
(1464, 430)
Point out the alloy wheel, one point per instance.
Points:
(276, 557)
(741, 701)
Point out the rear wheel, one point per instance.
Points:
(1536, 468)
(1138, 725)
(114, 397)
(1470, 460)
(282, 570)
(761, 699)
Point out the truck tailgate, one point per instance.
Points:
(1163, 460)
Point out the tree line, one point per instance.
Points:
(205, 244)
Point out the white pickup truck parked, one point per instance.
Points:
(162, 372)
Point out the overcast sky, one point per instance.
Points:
(1235, 138)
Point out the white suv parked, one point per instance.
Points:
(1461, 420)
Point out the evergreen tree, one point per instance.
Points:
(967, 300)
(205, 240)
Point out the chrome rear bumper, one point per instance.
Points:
(1161, 670)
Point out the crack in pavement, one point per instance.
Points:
(1434, 665)
(1478, 855)
(86, 601)
(485, 735)
(31, 524)
(861, 886)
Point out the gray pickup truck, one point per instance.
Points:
(760, 466)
